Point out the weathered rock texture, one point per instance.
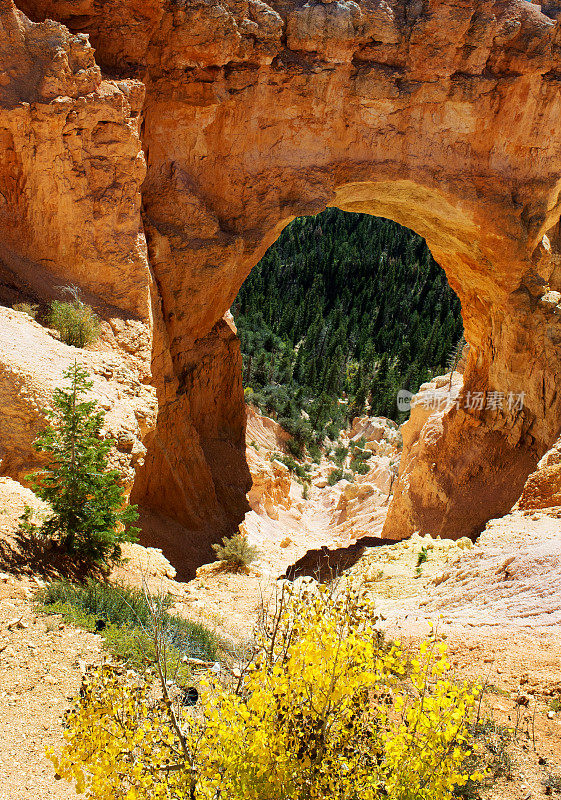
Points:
(543, 487)
(264, 431)
(417, 490)
(361, 506)
(71, 168)
(32, 363)
(509, 579)
(270, 485)
(440, 114)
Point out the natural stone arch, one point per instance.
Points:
(440, 115)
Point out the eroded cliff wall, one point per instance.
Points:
(440, 115)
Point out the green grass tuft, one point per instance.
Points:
(128, 620)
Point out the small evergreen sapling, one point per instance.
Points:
(89, 517)
(421, 558)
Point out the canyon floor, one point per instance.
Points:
(497, 602)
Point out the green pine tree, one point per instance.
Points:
(359, 402)
(319, 412)
(333, 292)
(89, 518)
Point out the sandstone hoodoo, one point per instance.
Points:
(153, 163)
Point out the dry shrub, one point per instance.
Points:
(27, 308)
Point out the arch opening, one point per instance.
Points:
(186, 537)
(342, 313)
(454, 498)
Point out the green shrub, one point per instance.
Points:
(295, 448)
(300, 470)
(334, 476)
(340, 454)
(127, 614)
(116, 604)
(358, 454)
(235, 552)
(89, 517)
(333, 429)
(27, 308)
(76, 322)
(315, 452)
(359, 466)
(359, 457)
(299, 429)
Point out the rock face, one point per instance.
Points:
(32, 363)
(270, 486)
(442, 115)
(362, 506)
(264, 431)
(380, 435)
(271, 482)
(195, 470)
(543, 487)
(71, 168)
(418, 501)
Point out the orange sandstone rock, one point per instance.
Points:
(543, 487)
(441, 115)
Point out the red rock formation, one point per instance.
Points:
(195, 470)
(70, 169)
(441, 115)
(543, 487)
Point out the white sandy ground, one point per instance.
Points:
(511, 577)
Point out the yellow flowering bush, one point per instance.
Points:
(323, 709)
